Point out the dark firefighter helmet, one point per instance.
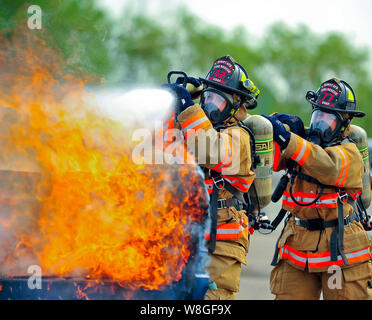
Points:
(225, 79)
(335, 95)
(230, 77)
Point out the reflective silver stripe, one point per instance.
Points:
(195, 123)
(356, 254)
(230, 231)
(303, 149)
(227, 231)
(237, 181)
(323, 259)
(295, 256)
(339, 258)
(307, 200)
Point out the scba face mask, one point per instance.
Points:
(324, 126)
(217, 106)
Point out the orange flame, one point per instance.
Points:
(71, 197)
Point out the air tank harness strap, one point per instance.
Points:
(308, 178)
(280, 216)
(213, 212)
(237, 201)
(275, 223)
(337, 236)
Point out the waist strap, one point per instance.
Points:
(226, 203)
(320, 224)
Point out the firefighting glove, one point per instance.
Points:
(193, 85)
(294, 122)
(182, 96)
(280, 135)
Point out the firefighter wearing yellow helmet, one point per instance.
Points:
(323, 235)
(225, 95)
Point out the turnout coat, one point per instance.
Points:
(226, 152)
(339, 166)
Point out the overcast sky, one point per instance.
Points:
(353, 17)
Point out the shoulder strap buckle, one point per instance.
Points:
(342, 196)
(219, 182)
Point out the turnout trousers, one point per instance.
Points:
(348, 283)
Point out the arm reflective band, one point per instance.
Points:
(302, 151)
(344, 168)
(198, 121)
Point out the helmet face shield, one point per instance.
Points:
(324, 126)
(216, 105)
(216, 99)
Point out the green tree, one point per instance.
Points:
(140, 48)
(301, 60)
(79, 29)
(284, 64)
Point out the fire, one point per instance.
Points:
(81, 294)
(72, 200)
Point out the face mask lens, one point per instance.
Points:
(325, 124)
(215, 99)
(329, 118)
(217, 106)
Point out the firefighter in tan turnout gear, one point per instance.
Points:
(225, 96)
(323, 236)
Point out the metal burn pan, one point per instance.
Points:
(18, 189)
(53, 288)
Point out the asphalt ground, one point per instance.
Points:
(255, 279)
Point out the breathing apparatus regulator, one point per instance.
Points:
(334, 106)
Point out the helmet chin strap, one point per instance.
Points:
(345, 125)
(236, 108)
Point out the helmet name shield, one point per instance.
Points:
(222, 70)
(230, 77)
(335, 95)
(328, 94)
